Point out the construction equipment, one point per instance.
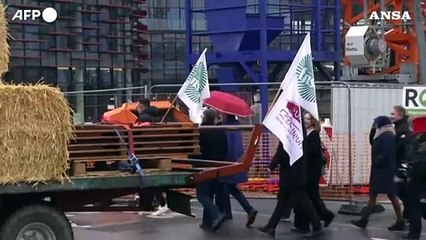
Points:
(384, 41)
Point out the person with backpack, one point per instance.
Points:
(315, 160)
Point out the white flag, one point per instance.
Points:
(302, 70)
(196, 88)
(284, 121)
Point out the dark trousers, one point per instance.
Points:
(415, 188)
(223, 200)
(403, 195)
(205, 194)
(301, 220)
(416, 215)
(287, 196)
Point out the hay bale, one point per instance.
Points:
(35, 128)
(4, 46)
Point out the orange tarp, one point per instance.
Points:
(121, 115)
(124, 115)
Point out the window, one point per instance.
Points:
(160, 13)
(170, 51)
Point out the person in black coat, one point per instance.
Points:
(292, 189)
(213, 146)
(313, 155)
(383, 169)
(403, 142)
(147, 113)
(417, 182)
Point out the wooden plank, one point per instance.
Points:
(86, 151)
(99, 159)
(97, 144)
(78, 145)
(167, 148)
(139, 137)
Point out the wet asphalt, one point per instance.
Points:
(134, 226)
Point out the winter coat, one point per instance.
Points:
(417, 162)
(312, 153)
(291, 177)
(383, 165)
(149, 114)
(213, 145)
(403, 140)
(234, 141)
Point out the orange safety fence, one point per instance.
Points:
(335, 185)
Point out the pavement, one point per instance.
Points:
(134, 226)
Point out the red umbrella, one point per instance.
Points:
(228, 103)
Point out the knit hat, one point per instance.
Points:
(381, 121)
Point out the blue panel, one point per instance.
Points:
(228, 75)
(265, 31)
(226, 16)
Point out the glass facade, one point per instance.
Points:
(166, 36)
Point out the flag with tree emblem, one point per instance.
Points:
(302, 70)
(196, 88)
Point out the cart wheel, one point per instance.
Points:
(36, 222)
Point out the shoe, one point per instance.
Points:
(313, 234)
(328, 220)
(299, 230)
(285, 220)
(251, 217)
(218, 222)
(397, 226)
(160, 211)
(267, 230)
(410, 237)
(206, 227)
(362, 223)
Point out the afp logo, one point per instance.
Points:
(49, 15)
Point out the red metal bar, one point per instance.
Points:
(235, 168)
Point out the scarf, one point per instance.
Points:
(385, 128)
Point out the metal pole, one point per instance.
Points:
(188, 34)
(421, 42)
(263, 61)
(79, 73)
(365, 11)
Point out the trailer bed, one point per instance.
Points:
(107, 181)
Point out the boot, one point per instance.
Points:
(399, 225)
(313, 234)
(251, 217)
(362, 223)
(218, 222)
(328, 219)
(267, 230)
(410, 237)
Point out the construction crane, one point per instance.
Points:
(384, 41)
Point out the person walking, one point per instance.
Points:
(383, 169)
(313, 156)
(228, 185)
(417, 179)
(292, 189)
(213, 146)
(403, 141)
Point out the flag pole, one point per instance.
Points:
(168, 110)
(273, 101)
